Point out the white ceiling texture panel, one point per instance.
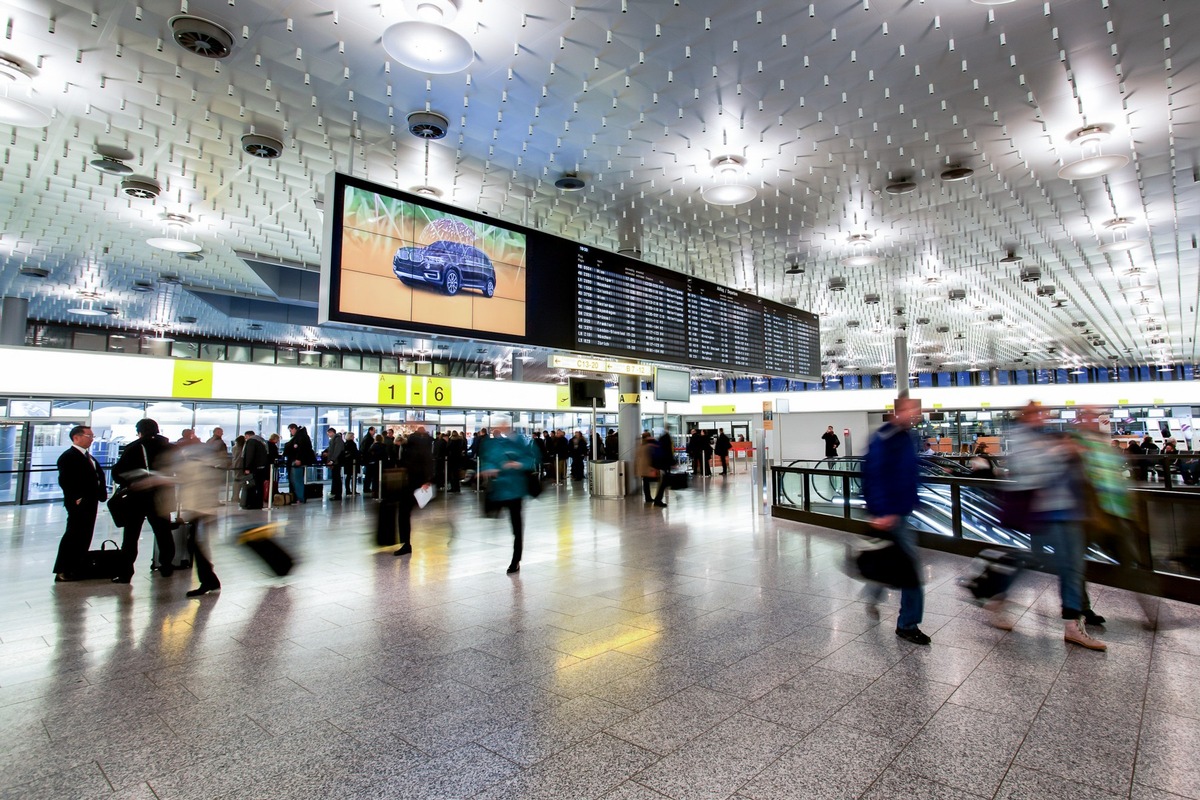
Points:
(826, 105)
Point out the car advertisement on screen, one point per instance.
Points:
(404, 263)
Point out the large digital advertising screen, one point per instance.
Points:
(401, 263)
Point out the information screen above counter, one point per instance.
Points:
(398, 261)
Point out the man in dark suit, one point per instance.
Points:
(139, 469)
(83, 487)
(256, 467)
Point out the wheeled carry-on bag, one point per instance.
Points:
(182, 560)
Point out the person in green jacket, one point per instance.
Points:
(508, 459)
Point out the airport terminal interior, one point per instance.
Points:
(768, 218)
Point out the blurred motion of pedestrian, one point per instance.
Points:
(198, 476)
(508, 460)
(890, 476)
(1048, 468)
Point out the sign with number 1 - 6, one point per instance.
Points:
(393, 390)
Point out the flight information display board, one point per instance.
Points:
(392, 260)
(622, 307)
(628, 308)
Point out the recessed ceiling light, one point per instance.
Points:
(728, 192)
(174, 244)
(426, 43)
(860, 260)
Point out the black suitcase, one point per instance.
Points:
(677, 480)
(260, 539)
(314, 491)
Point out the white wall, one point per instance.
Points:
(799, 435)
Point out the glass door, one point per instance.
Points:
(46, 442)
(12, 451)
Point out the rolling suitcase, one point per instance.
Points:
(182, 560)
(992, 574)
(260, 539)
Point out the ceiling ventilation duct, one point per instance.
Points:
(428, 125)
(570, 183)
(837, 284)
(140, 188)
(260, 146)
(201, 36)
(957, 294)
(1031, 274)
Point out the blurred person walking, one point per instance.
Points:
(197, 478)
(890, 475)
(398, 501)
(1049, 477)
(510, 461)
(644, 464)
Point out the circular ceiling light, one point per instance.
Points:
(992, 2)
(569, 183)
(727, 192)
(20, 114)
(901, 187)
(110, 166)
(1012, 258)
(426, 43)
(426, 191)
(1094, 163)
(956, 173)
(88, 310)
(1121, 245)
(860, 260)
(794, 269)
(174, 244)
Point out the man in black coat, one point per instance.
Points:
(256, 467)
(396, 507)
(139, 469)
(722, 450)
(350, 460)
(298, 452)
(832, 442)
(83, 487)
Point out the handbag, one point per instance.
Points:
(1016, 508)
(119, 507)
(882, 561)
(533, 484)
(103, 563)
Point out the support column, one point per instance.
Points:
(629, 429)
(518, 368)
(14, 318)
(901, 366)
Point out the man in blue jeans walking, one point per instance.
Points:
(890, 475)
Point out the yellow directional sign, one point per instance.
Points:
(586, 364)
(437, 392)
(563, 397)
(192, 379)
(393, 390)
(630, 399)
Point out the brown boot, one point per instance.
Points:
(1075, 633)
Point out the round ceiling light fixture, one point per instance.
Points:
(992, 2)
(174, 242)
(427, 43)
(34, 272)
(14, 111)
(1121, 242)
(860, 258)
(87, 309)
(1012, 258)
(1093, 164)
(956, 172)
(112, 160)
(794, 269)
(901, 186)
(569, 183)
(728, 192)
(426, 191)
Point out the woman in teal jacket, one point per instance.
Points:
(508, 459)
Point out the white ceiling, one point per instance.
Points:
(639, 102)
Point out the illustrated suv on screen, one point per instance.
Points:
(450, 266)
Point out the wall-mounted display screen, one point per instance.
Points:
(673, 385)
(398, 261)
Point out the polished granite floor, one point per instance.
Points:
(699, 651)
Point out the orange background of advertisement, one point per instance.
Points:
(370, 288)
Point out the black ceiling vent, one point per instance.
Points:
(871, 299)
(922, 320)
(428, 125)
(260, 146)
(902, 186)
(188, 320)
(853, 323)
(570, 182)
(837, 284)
(140, 188)
(170, 280)
(201, 36)
(143, 287)
(1046, 291)
(34, 272)
(794, 269)
(943, 328)
(254, 326)
(192, 256)
(957, 294)
(1031, 274)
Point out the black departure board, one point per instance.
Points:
(791, 337)
(623, 307)
(725, 327)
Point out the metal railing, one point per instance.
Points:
(959, 514)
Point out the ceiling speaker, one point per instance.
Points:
(261, 146)
(428, 125)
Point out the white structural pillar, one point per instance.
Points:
(901, 366)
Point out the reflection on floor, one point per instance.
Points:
(698, 651)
